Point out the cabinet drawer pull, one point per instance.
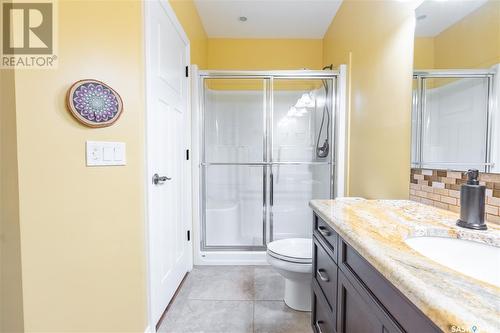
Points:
(318, 325)
(324, 231)
(322, 275)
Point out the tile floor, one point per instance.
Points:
(233, 299)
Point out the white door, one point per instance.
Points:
(167, 54)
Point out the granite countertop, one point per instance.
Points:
(377, 230)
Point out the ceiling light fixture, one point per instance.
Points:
(242, 18)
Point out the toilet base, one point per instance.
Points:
(298, 294)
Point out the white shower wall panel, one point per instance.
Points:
(234, 127)
(234, 205)
(294, 186)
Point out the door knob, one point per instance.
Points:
(157, 180)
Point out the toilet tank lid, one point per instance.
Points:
(292, 247)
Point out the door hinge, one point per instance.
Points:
(187, 154)
(189, 235)
(187, 71)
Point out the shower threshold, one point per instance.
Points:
(231, 258)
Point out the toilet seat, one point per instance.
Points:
(294, 250)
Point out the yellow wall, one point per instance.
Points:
(376, 39)
(264, 54)
(82, 228)
(244, 54)
(473, 42)
(423, 57)
(11, 300)
(186, 12)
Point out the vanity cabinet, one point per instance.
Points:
(351, 296)
(358, 313)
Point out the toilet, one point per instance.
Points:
(292, 258)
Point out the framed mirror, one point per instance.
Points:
(455, 120)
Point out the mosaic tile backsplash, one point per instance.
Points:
(441, 188)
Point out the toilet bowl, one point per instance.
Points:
(292, 258)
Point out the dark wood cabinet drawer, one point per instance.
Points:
(357, 269)
(325, 273)
(358, 313)
(322, 320)
(324, 232)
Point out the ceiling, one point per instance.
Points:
(442, 14)
(267, 18)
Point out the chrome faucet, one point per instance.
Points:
(472, 201)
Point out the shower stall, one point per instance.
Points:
(267, 144)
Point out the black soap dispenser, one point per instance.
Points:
(472, 201)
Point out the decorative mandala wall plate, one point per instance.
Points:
(94, 103)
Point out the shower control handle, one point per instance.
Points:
(157, 180)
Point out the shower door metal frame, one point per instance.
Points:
(268, 162)
(419, 103)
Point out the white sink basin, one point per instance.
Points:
(474, 259)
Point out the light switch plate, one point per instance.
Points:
(104, 153)
(108, 153)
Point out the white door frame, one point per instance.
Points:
(187, 206)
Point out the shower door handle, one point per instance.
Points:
(271, 199)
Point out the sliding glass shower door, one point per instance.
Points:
(234, 169)
(267, 150)
(301, 154)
